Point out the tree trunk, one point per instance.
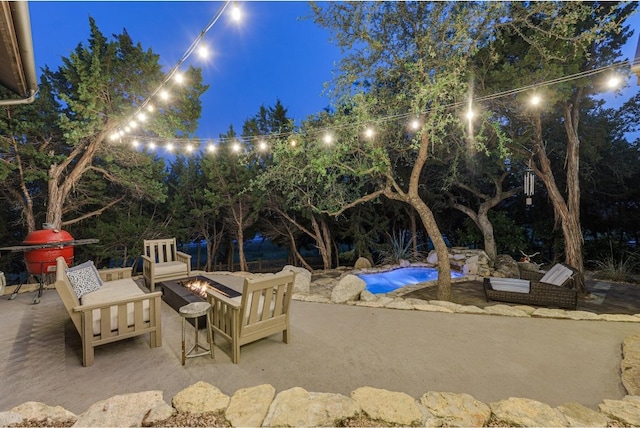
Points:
(294, 250)
(567, 213)
(486, 227)
(414, 230)
(323, 240)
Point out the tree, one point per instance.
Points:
(56, 151)
(408, 57)
(546, 41)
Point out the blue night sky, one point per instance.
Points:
(273, 53)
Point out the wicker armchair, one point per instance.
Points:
(545, 289)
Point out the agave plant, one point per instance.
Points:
(401, 248)
(614, 269)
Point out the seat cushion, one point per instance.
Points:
(510, 284)
(112, 291)
(557, 275)
(170, 268)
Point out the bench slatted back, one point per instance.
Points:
(161, 250)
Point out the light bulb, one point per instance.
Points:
(415, 124)
(236, 147)
(293, 143)
(535, 100)
(328, 139)
(152, 146)
(368, 132)
(470, 114)
(169, 147)
(150, 107)
(178, 77)
(211, 148)
(189, 148)
(133, 124)
(203, 51)
(263, 146)
(613, 82)
(142, 117)
(236, 14)
(135, 143)
(164, 94)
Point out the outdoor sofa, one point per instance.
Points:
(107, 309)
(554, 288)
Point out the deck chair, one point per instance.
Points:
(162, 261)
(553, 288)
(261, 311)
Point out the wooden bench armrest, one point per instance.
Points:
(114, 274)
(213, 296)
(141, 297)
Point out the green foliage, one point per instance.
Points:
(400, 248)
(509, 234)
(617, 265)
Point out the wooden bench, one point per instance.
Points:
(262, 310)
(118, 310)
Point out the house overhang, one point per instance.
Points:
(17, 63)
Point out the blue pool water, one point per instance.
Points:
(385, 282)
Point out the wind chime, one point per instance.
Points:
(529, 183)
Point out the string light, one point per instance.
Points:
(414, 124)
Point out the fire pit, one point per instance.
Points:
(180, 292)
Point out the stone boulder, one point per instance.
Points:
(348, 289)
(297, 407)
(581, 416)
(201, 397)
(432, 258)
(506, 266)
(302, 282)
(8, 418)
(456, 410)
(249, 406)
(630, 364)
(626, 410)
(44, 412)
(524, 412)
(394, 407)
(362, 263)
(127, 410)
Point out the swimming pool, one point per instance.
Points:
(385, 282)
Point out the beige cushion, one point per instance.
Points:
(510, 284)
(557, 275)
(169, 268)
(111, 291)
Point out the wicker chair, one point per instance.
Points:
(552, 288)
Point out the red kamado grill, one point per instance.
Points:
(40, 261)
(42, 248)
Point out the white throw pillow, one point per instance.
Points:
(557, 275)
(84, 278)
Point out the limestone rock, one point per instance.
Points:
(404, 263)
(159, 412)
(8, 418)
(580, 416)
(249, 406)
(507, 266)
(505, 310)
(449, 305)
(41, 411)
(619, 318)
(314, 298)
(399, 304)
(126, 410)
(432, 308)
(626, 410)
(525, 308)
(362, 263)
(524, 412)
(296, 407)
(550, 313)
(394, 407)
(200, 397)
(630, 365)
(349, 288)
(302, 282)
(372, 304)
(470, 309)
(432, 258)
(583, 316)
(367, 296)
(456, 410)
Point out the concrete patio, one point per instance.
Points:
(333, 348)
